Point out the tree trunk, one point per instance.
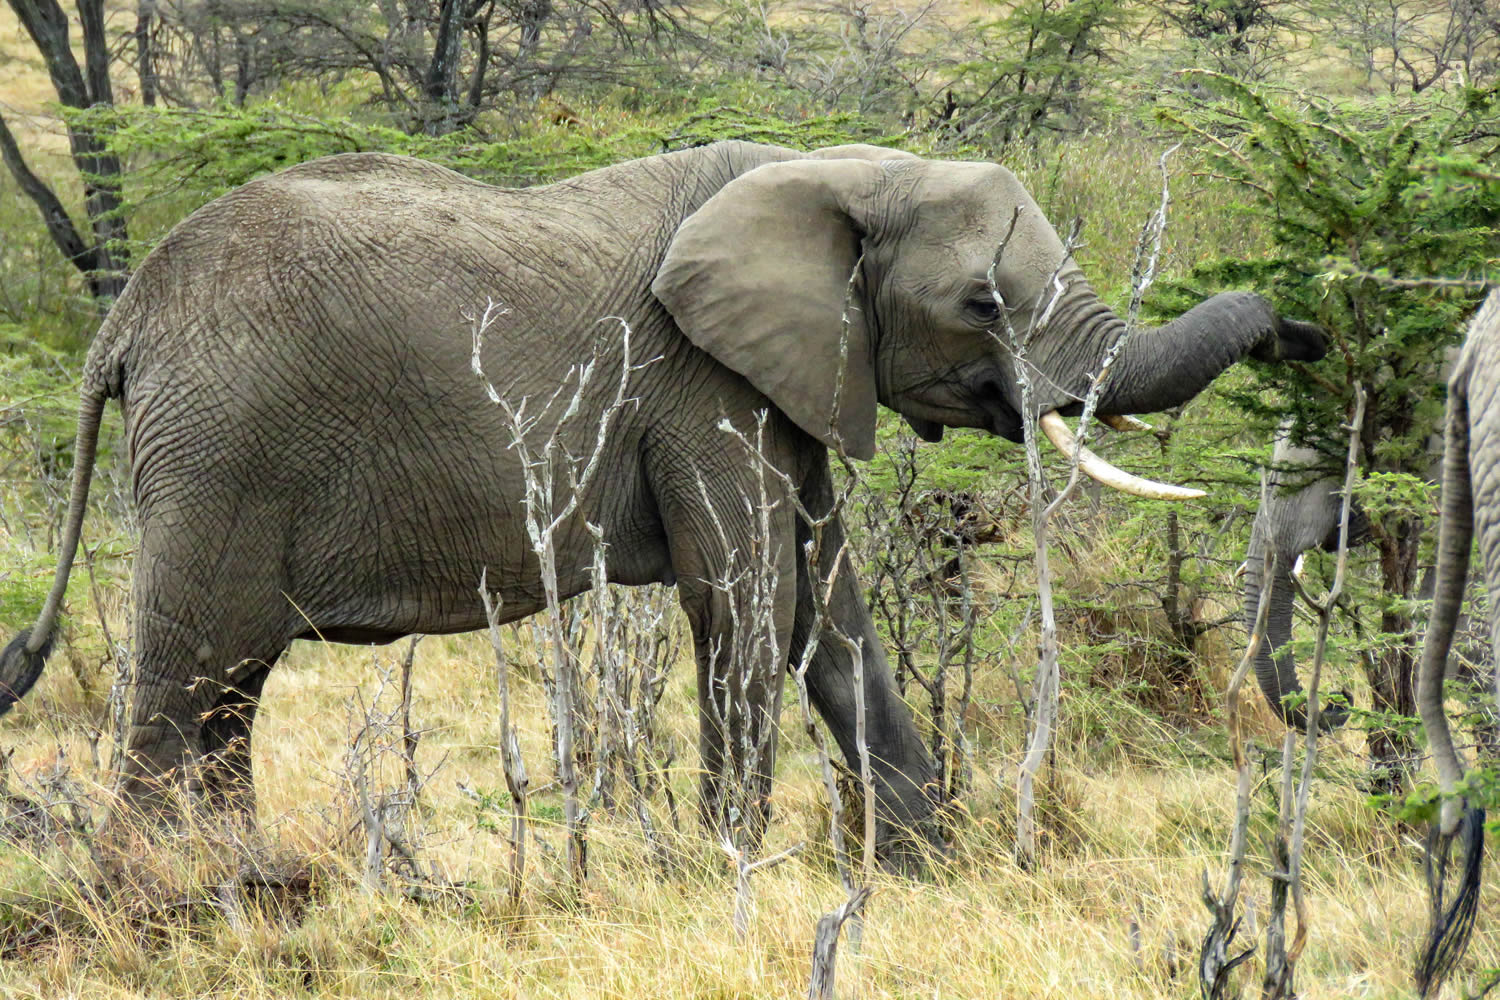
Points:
(1393, 755)
(145, 13)
(441, 85)
(105, 263)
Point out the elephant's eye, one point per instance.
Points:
(983, 309)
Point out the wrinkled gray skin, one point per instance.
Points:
(312, 455)
(1470, 506)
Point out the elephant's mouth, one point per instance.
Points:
(1004, 419)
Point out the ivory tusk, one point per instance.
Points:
(1101, 471)
(1121, 422)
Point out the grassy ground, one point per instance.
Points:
(1113, 911)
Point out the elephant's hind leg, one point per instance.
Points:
(190, 719)
(224, 768)
(211, 618)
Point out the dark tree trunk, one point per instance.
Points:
(480, 24)
(441, 85)
(145, 57)
(104, 264)
(1391, 673)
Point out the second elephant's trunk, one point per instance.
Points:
(1275, 664)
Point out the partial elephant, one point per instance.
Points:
(313, 456)
(1303, 499)
(1470, 506)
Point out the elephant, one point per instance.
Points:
(1303, 500)
(313, 457)
(1470, 505)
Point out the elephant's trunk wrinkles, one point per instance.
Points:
(1165, 367)
(1155, 369)
(1275, 666)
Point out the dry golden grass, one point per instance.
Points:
(1123, 845)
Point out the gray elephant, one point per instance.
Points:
(1470, 506)
(313, 457)
(1303, 491)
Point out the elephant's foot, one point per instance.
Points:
(737, 815)
(910, 832)
(166, 785)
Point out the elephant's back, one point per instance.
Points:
(364, 254)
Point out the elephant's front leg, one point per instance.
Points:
(738, 594)
(903, 773)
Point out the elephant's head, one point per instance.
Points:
(1301, 510)
(760, 275)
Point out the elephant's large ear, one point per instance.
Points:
(758, 277)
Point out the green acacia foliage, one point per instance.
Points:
(1360, 224)
(180, 158)
(1041, 66)
(1378, 234)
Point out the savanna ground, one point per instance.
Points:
(1135, 800)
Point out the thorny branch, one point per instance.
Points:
(1214, 962)
(1047, 680)
(545, 518)
(818, 526)
(1291, 832)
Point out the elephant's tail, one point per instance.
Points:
(1451, 925)
(21, 662)
(1448, 937)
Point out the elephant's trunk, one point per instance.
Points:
(1168, 366)
(1164, 367)
(1275, 666)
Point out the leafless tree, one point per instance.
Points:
(1411, 45)
(1047, 681)
(555, 482)
(436, 63)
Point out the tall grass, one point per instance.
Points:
(1113, 910)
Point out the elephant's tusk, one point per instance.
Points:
(1098, 469)
(1122, 422)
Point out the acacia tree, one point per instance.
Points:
(100, 256)
(435, 64)
(1411, 45)
(1248, 39)
(1039, 67)
(1370, 243)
